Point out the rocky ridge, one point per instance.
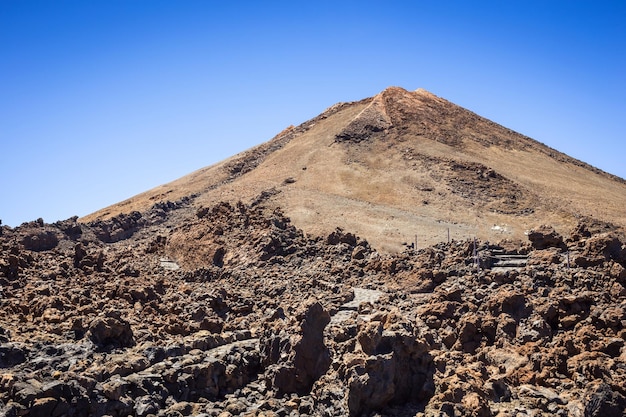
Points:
(229, 309)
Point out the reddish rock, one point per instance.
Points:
(107, 332)
(297, 360)
(433, 334)
(544, 237)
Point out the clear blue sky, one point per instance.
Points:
(101, 100)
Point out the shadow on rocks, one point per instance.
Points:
(110, 332)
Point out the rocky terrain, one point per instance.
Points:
(395, 256)
(229, 309)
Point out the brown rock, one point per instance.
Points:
(545, 257)
(108, 332)
(297, 361)
(371, 386)
(40, 240)
(399, 370)
(44, 407)
(602, 401)
(115, 388)
(475, 405)
(369, 336)
(618, 272)
(545, 237)
(605, 246)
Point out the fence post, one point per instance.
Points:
(475, 253)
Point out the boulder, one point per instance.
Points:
(602, 401)
(296, 360)
(339, 236)
(40, 240)
(605, 246)
(372, 385)
(394, 366)
(111, 332)
(12, 354)
(545, 237)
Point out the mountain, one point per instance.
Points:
(243, 289)
(402, 166)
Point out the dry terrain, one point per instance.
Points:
(284, 282)
(230, 310)
(400, 165)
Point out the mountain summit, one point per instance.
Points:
(402, 166)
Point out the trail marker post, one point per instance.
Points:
(476, 256)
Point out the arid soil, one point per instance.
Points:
(229, 309)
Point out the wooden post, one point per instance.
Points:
(415, 242)
(476, 256)
(448, 235)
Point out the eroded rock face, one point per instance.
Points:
(394, 367)
(118, 228)
(231, 309)
(111, 332)
(545, 237)
(40, 240)
(371, 121)
(601, 248)
(295, 361)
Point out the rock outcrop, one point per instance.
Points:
(295, 361)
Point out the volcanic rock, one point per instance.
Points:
(296, 361)
(111, 332)
(277, 282)
(545, 237)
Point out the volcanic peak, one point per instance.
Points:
(403, 163)
(423, 114)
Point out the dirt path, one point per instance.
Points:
(361, 295)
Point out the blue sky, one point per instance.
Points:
(101, 100)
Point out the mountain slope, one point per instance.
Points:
(402, 166)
